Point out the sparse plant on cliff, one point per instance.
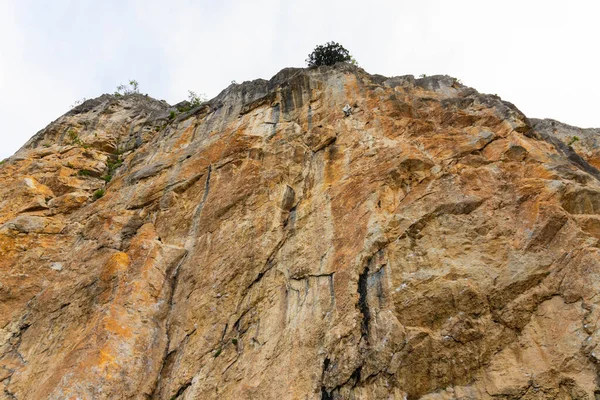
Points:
(79, 102)
(124, 90)
(172, 115)
(195, 99)
(573, 140)
(112, 164)
(74, 137)
(218, 352)
(329, 54)
(98, 194)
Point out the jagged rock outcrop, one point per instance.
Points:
(433, 244)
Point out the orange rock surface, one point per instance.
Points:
(432, 244)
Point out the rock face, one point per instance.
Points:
(432, 244)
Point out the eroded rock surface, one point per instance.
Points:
(432, 244)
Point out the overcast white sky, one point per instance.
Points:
(541, 55)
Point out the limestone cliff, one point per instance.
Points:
(434, 243)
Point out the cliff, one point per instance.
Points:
(433, 243)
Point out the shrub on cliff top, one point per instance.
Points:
(195, 99)
(124, 90)
(329, 54)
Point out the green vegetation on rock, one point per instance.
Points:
(329, 54)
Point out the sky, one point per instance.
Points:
(540, 55)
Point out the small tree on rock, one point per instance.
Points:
(195, 99)
(124, 90)
(329, 54)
